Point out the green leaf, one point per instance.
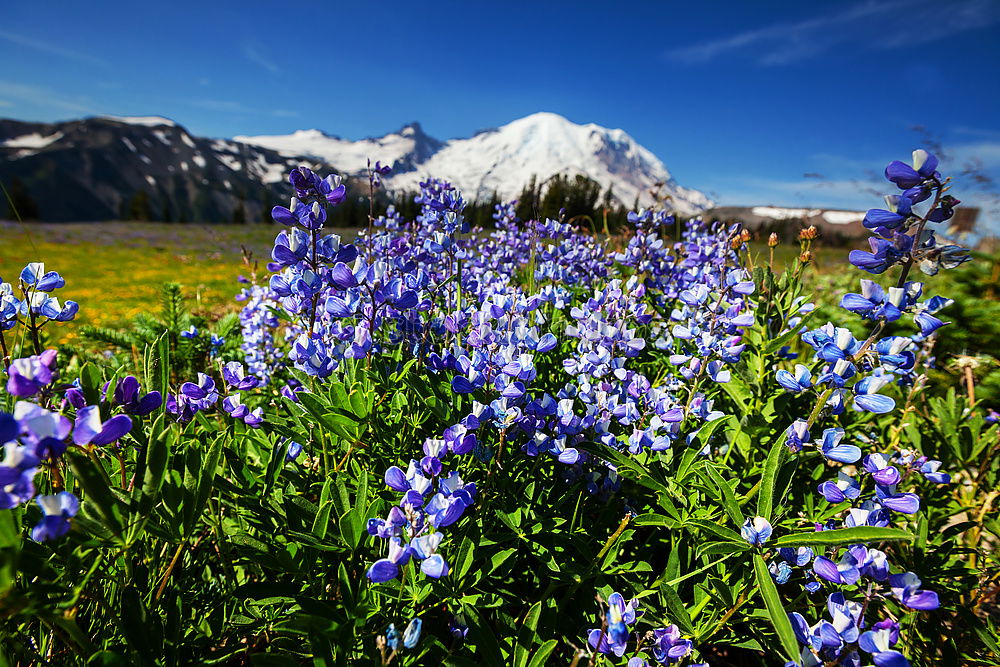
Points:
(856, 535)
(543, 653)
(678, 614)
(765, 499)
(98, 491)
(526, 635)
(142, 629)
(779, 617)
(728, 497)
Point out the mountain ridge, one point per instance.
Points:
(94, 168)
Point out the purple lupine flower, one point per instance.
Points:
(127, 396)
(202, 395)
(27, 376)
(89, 430)
(619, 616)
(58, 510)
(43, 431)
(17, 471)
(235, 407)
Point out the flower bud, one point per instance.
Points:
(806, 257)
(772, 240)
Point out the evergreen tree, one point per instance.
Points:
(528, 201)
(240, 212)
(138, 208)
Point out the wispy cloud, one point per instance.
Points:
(869, 25)
(5, 103)
(235, 107)
(253, 55)
(45, 98)
(53, 49)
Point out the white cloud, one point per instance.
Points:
(54, 49)
(43, 97)
(256, 57)
(870, 25)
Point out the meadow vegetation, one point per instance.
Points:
(426, 442)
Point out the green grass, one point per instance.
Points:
(114, 270)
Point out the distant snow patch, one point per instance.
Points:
(187, 139)
(199, 160)
(147, 121)
(33, 140)
(784, 213)
(843, 217)
(128, 144)
(151, 180)
(230, 161)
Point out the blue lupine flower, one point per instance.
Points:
(866, 398)
(906, 588)
(797, 435)
(411, 635)
(293, 451)
(903, 175)
(669, 646)
(845, 488)
(386, 569)
(885, 220)
(34, 275)
(879, 642)
(58, 510)
(843, 572)
(832, 449)
(619, 616)
(392, 638)
(801, 381)
(756, 531)
(18, 468)
(781, 571)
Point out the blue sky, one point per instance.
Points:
(783, 103)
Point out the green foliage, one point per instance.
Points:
(201, 543)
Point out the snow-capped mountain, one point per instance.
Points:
(500, 160)
(93, 169)
(147, 166)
